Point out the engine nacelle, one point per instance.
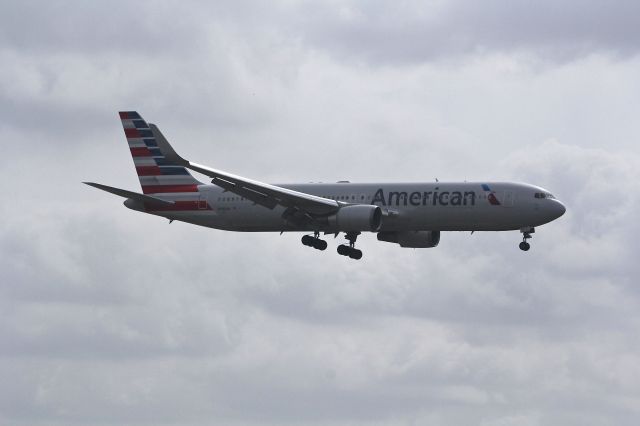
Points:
(411, 239)
(360, 217)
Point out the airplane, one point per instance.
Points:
(408, 214)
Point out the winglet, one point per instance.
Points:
(169, 153)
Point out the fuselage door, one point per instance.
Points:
(508, 199)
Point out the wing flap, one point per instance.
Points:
(250, 194)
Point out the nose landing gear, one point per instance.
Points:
(314, 241)
(350, 250)
(526, 234)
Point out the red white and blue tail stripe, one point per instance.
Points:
(156, 175)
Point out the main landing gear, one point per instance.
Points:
(343, 249)
(314, 241)
(526, 234)
(350, 250)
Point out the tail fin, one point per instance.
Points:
(156, 174)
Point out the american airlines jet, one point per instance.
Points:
(407, 214)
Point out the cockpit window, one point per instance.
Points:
(543, 195)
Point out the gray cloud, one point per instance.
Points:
(143, 28)
(417, 31)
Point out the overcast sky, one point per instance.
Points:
(112, 317)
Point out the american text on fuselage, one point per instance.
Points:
(417, 198)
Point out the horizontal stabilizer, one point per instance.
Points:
(130, 194)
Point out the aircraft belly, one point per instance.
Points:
(479, 218)
(414, 219)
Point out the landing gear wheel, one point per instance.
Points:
(307, 240)
(350, 250)
(526, 234)
(314, 241)
(355, 254)
(319, 244)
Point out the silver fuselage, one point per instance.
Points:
(434, 206)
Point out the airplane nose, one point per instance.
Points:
(559, 209)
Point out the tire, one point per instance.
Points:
(307, 240)
(343, 250)
(524, 246)
(320, 245)
(355, 254)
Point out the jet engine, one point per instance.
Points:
(361, 217)
(411, 239)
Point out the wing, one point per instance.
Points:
(264, 194)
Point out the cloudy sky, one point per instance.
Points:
(109, 316)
